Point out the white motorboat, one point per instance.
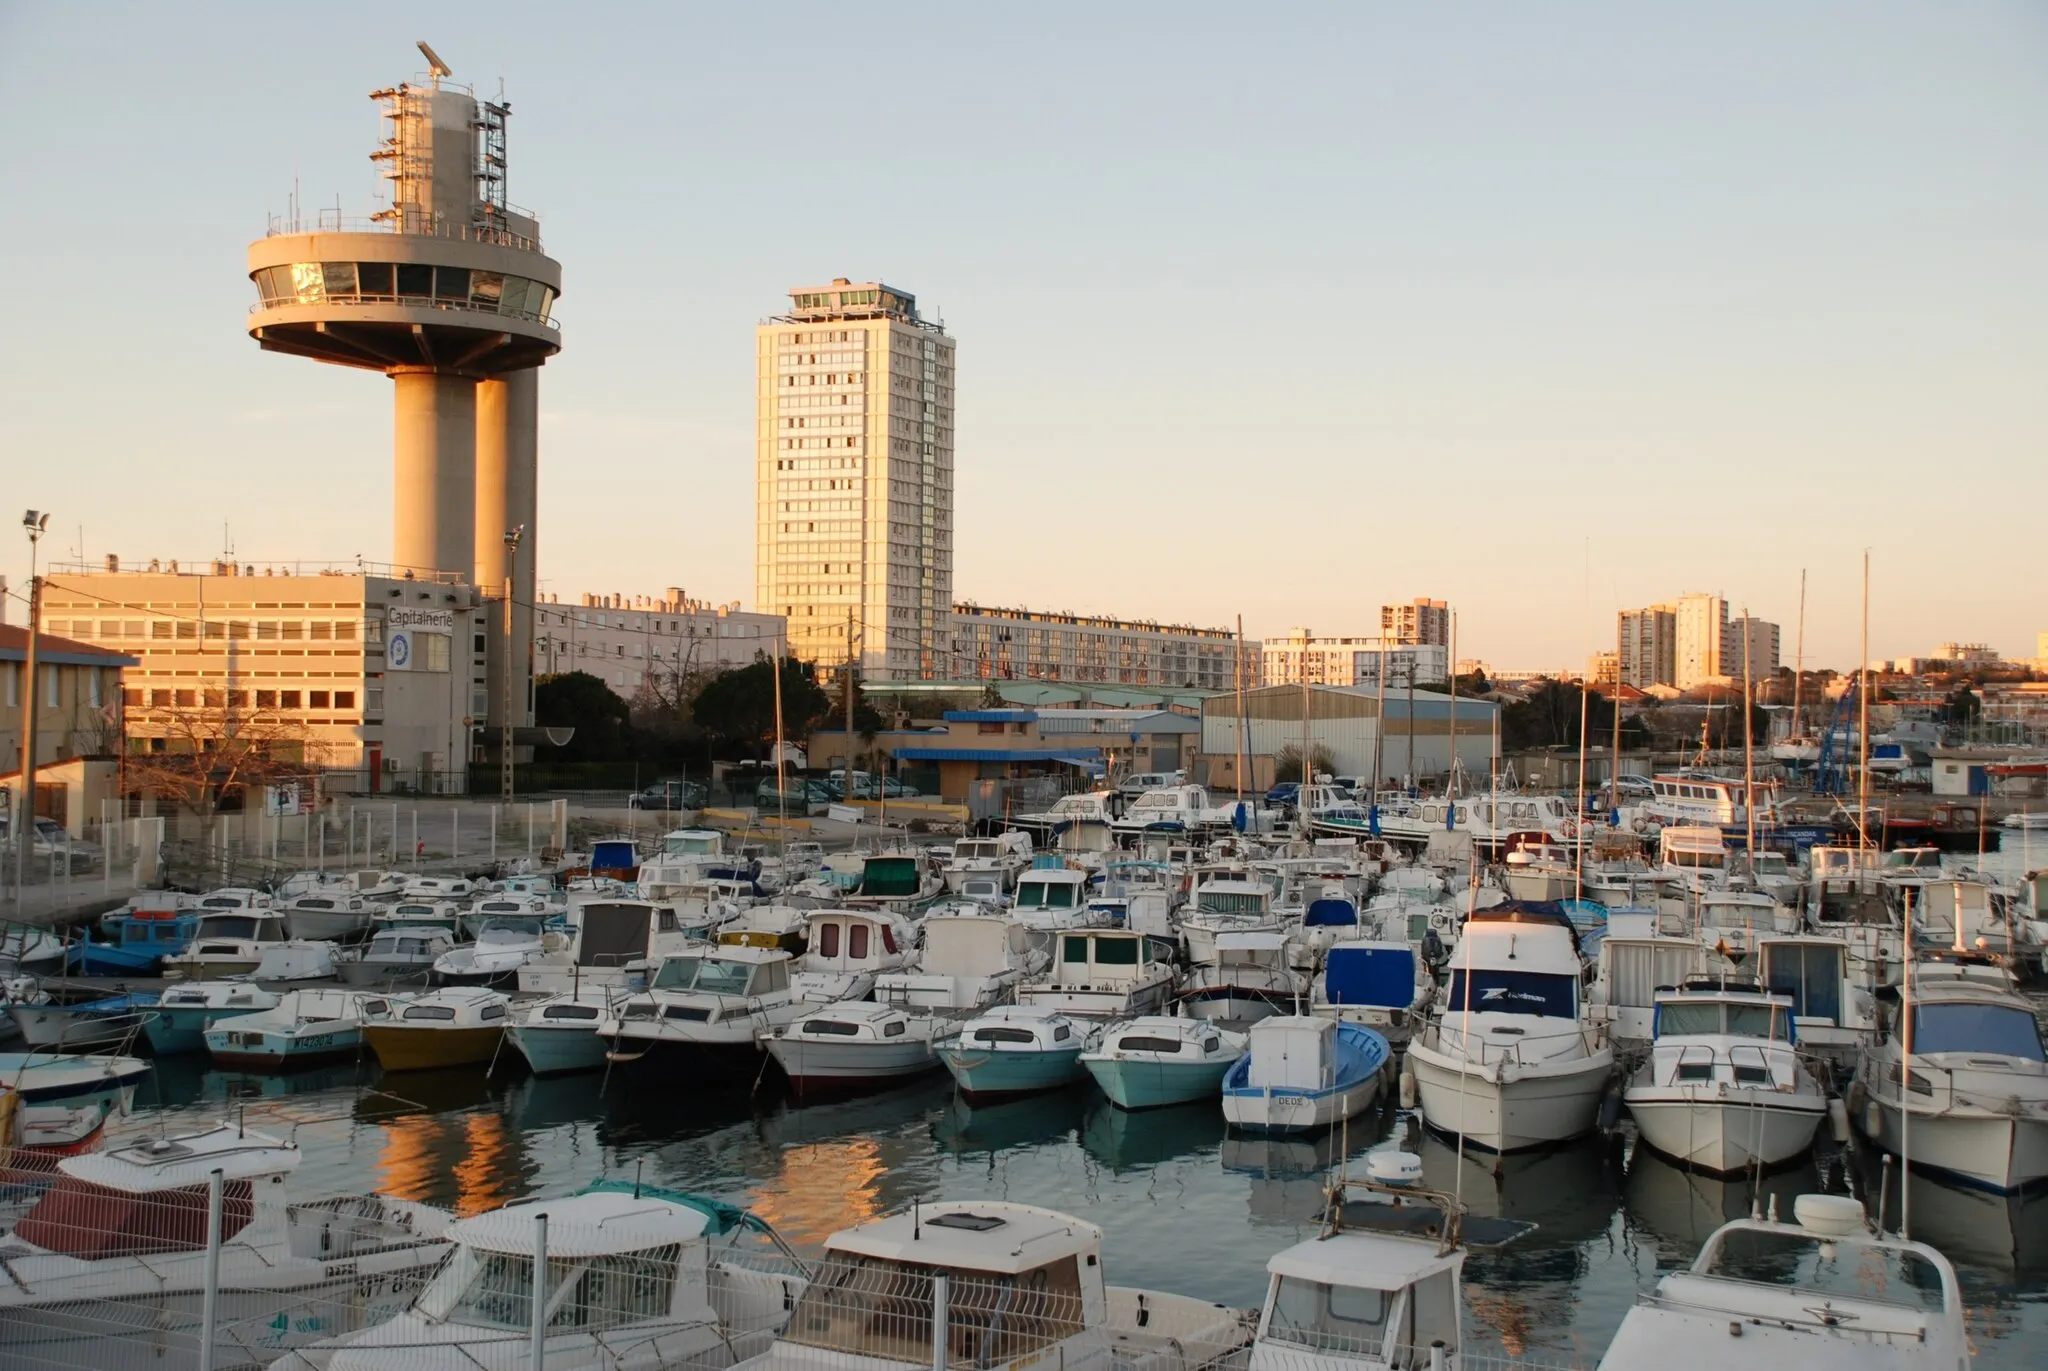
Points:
(229, 942)
(1723, 1089)
(845, 950)
(1050, 900)
(1510, 1060)
(1379, 1288)
(1154, 1061)
(1977, 1107)
(1824, 1293)
(494, 959)
(1075, 823)
(1540, 871)
(1102, 973)
(506, 909)
(1024, 1288)
(1002, 857)
(419, 887)
(445, 915)
(326, 915)
(1833, 1015)
(395, 957)
(1302, 1073)
(852, 1045)
(703, 1011)
(108, 1269)
(558, 1033)
(453, 1026)
(302, 1028)
(613, 942)
(968, 962)
(1015, 1050)
(635, 1283)
(1250, 979)
(1226, 905)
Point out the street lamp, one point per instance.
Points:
(512, 537)
(25, 834)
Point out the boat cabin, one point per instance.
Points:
(1714, 1031)
(439, 888)
(1829, 1015)
(232, 897)
(1102, 971)
(693, 842)
(1233, 899)
(1373, 983)
(722, 972)
(1691, 849)
(246, 925)
(1052, 888)
(422, 913)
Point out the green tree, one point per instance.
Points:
(1548, 716)
(601, 718)
(1287, 762)
(738, 706)
(1962, 706)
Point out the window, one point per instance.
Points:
(414, 279)
(266, 699)
(292, 628)
(266, 629)
(344, 699)
(185, 699)
(828, 940)
(433, 651)
(288, 699)
(316, 699)
(1980, 1029)
(373, 278)
(373, 699)
(857, 942)
(831, 1028)
(428, 1011)
(131, 698)
(160, 699)
(160, 628)
(1328, 1318)
(320, 628)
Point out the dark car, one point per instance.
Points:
(798, 796)
(1284, 794)
(674, 793)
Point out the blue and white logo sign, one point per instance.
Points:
(398, 650)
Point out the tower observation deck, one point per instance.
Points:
(447, 292)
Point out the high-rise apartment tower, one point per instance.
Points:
(1418, 621)
(853, 538)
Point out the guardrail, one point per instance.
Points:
(407, 301)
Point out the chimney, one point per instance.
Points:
(113, 562)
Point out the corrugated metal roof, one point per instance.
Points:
(990, 716)
(996, 754)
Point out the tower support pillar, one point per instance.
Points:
(434, 471)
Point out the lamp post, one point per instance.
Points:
(512, 537)
(25, 833)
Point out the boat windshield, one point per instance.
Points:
(703, 975)
(1713, 1016)
(1546, 995)
(1328, 1318)
(495, 1289)
(1046, 895)
(872, 1307)
(1980, 1029)
(1857, 1275)
(1230, 902)
(230, 926)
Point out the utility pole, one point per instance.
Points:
(846, 790)
(505, 787)
(25, 831)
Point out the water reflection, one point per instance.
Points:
(966, 1128)
(1126, 1141)
(1678, 1210)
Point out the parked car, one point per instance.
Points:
(798, 796)
(676, 792)
(888, 788)
(1131, 787)
(1284, 794)
(50, 840)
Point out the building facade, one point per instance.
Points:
(1426, 622)
(641, 642)
(79, 714)
(1647, 643)
(853, 542)
(1701, 636)
(353, 670)
(1761, 639)
(1344, 722)
(991, 644)
(1336, 661)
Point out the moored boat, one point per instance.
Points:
(1154, 1061)
(1300, 1072)
(1015, 1050)
(183, 1013)
(558, 1034)
(303, 1028)
(852, 1045)
(449, 1027)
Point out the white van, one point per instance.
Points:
(1133, 786)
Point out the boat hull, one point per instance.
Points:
(384, 975)
(1299, 1111)
(1726, 1133)
(173, 1032)
(558, 1051)
(677, 1058)
(1234, 1004)
(401, 1048)
(1516, 1109)
(815, 1066)
(216, 970)
(1134, 1084)
(1994, 1152)
(986, 1075)
(65, 1029)
(273, 1052)
(324, 925)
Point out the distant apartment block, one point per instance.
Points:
(1647, 644)
(853, 540)
(992, 644)
(1300, 656)
(1419, 622)
(633, 642)
(1702, 639)
(1763, 638)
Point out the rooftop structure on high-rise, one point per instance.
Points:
(1418, 621)
(446, 291)
(853, 536)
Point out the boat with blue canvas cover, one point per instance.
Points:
(1382, 985)
(1014, 1050)
(137, 942)
(1304, 1072)
(1154, 1061)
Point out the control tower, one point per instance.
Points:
(448, 293)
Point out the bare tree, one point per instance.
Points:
(196, 757)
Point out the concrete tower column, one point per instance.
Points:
(434, 471)
(507, 496)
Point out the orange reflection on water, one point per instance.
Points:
(821, 1188)
(424, 1153)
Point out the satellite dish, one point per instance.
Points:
(434, 62)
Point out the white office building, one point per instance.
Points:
(634, 642)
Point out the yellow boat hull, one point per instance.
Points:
(403, 1047)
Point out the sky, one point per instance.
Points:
(1281, 311)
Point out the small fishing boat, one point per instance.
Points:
(558, 1033)
(1826, 1292)
(327, 915)
(703, 1011)
(634, 1283)
(229, 942)
(1015, 1050)
(445, 915)
(1053, 898)
(109, 1268)
(1723, 1090)
(41, 1078)
(1150, 1062)
(183, 1013)
(845, 950)
(1302, 1072)
(1250, 979)
(1023, 1288)
(852, 1045)
(397, 957)
(138, 939)
(495, 957)
(1103, 973)
(507, 909)
(85, 1026)
(969, 961)
(449, 1027)
(304, 1027)
(436, 888)
(1226, 904)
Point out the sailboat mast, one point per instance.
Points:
(1451, 776)
(1799, 664)
(1863, 722)
(1748, 743)
(1240, 708)
(1614, 766)
(1579, 814)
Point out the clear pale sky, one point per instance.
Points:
(1276, 310)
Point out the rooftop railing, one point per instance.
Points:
(332, 221)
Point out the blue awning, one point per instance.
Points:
(996, 754)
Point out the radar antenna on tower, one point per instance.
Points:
(434, 62)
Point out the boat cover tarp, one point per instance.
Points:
(612, 934)
(1379, 976)
(90, 1221)
(613, 855)
(1331, 913)
(889, 877)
